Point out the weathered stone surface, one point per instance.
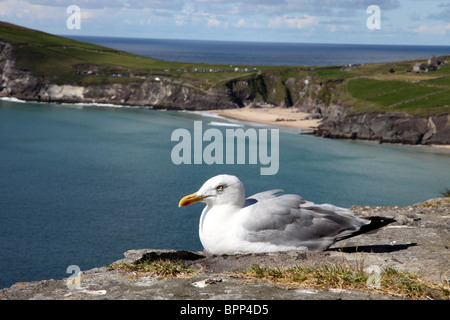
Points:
(99, 284)
(418, 241)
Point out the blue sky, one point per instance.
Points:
(314, 21)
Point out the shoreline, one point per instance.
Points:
(289, 118)
(293, 119)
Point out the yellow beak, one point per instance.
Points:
(190, 199)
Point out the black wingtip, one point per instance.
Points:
(375, 223)
(378, 222)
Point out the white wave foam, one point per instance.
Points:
(99, 105)
(12, 99)
(204, 113)
(224, 124)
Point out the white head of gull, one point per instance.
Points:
(267, 222)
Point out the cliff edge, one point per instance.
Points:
(410, 258)
(23, 84)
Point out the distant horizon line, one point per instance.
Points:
(250, 41)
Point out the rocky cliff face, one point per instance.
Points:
(13, 81)
(385, 127)
(22, 84)
(292, 92)
(301, 92)
(339, 121)
(153, 94)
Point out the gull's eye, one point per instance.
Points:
(219, 187)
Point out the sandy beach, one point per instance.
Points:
(286, 117)
(441, 146)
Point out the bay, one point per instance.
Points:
(80, 185)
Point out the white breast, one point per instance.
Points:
(218, 231)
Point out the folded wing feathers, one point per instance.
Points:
(289, 220)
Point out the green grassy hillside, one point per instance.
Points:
(370, 87)
(59, 59)
(392, 87)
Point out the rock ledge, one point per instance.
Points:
(418, 242)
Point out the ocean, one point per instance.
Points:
(264, 53)
(80, 184)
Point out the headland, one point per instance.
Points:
(391, 102)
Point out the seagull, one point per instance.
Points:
(268, 221)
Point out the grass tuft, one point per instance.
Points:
(391, 281)
(161, 268)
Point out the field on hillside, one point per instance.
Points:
(64, 61)
(392, 87)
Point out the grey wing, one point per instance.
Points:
(267, 195)
(289, 221)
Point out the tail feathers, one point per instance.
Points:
(375, 223)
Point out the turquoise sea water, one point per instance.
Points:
(80, 185)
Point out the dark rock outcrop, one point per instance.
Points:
(393, 127)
